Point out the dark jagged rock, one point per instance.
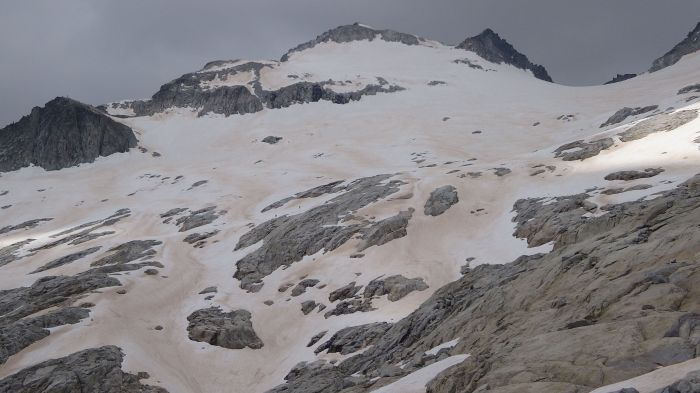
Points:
(352, 339)
(344, 292)
(541, 221)
(129, 251)
(689, 45)
(18, 335)
(690, 89)
(350, 307)
(308, 306)
(62, 134)
(495, 49)
(25, 225)
(233, 330)
(85, 232)
(198, 238)
(10, 253)
(314, 192)
(440, 200)
(287, 239)
(91, 370)
(355, 32)
(272, 139)
(583, 149)
(397, 287)
(67, 259)
(624, 113)
(386, 230)
(316, 338)
(501, 171)
(663, 122)
(639, 301)
(633, 175)
(620, 78)
(300, 288)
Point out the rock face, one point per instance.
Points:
(62, 134)
(660, 123)
(620, 287)
(195, 91)
(624, 113)
(233, 330)
(91, 370)
(355, 32)
(354, 338)
(397, 287)
(440, 200)
(689, 45)
(495, 49)
(287, 239)
(633, 175)
(386, 230)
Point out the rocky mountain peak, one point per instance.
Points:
(355, 32)
(493, 48)
(689, 45)
(63, 133)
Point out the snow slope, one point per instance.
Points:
(324, 142)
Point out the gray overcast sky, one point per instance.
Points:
(98, 51)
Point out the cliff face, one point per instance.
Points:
(493, 48)
(63, 133)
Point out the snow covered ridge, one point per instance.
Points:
(478, 230)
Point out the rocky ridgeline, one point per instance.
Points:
(495, 49)
(62, 134)
(689, 45)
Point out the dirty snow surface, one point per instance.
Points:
(202, 201)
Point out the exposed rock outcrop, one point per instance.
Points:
(440, 200)
(495, 49)
(580, 150)
(287, 239)
(689, 45)
(663, 122)
(233, 330)
(62, 134)
(620, 78)
(386, 230)
(633, 175)
(624, 113)
(620, 287)
(352, 339)
(355, 32)
(90, 370)
(397, 287)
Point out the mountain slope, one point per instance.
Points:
(469, 225)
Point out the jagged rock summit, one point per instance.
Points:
(355, 32)
(63, 133)
(689, 45)
(493, 48)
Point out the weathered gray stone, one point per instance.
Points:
(67, 259)
(233, 330)
(633, 175)
(95, 370)
(354, 338)
(397, 287)
(690, 89)
(386, 230)
(308, 306)
(620, 78)
(128, 252)
(440, 200)
(300, 288)
(663, 122)
(62, 134)
(199, 218)
(624, 113)
(287, 239)
(272, 139)
(25, 225)
(583, 149)
(344, 292)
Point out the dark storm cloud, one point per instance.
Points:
(98, 51)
